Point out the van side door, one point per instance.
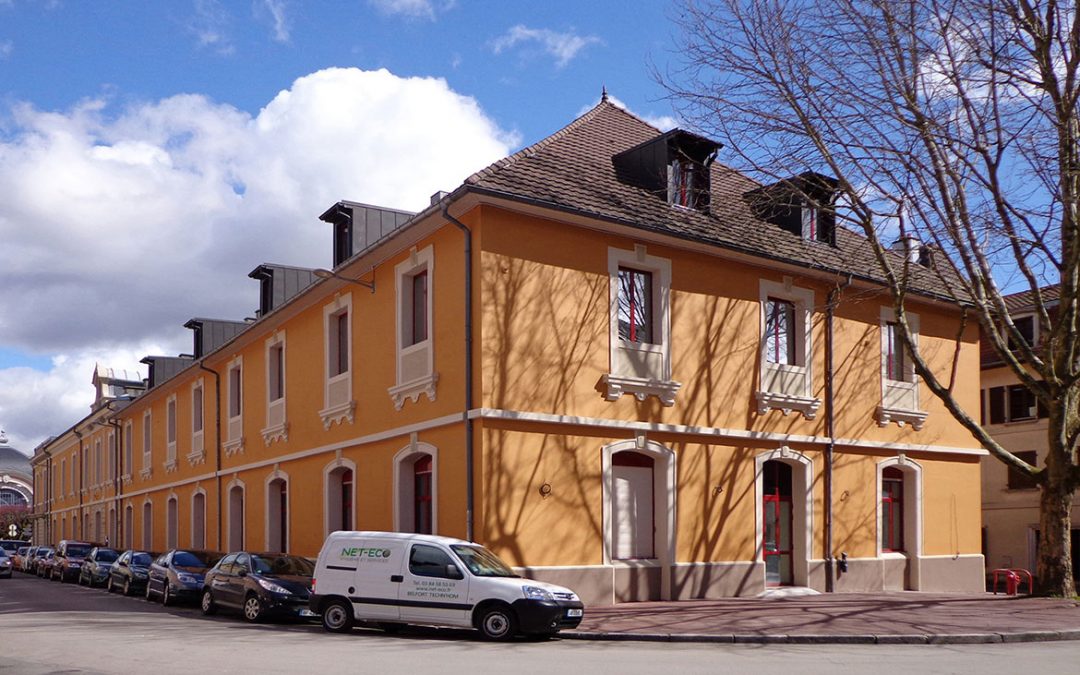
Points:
(436, 589)
(376, 581)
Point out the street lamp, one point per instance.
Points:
(327, 274)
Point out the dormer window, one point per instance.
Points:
(673, 166)
(801, 205)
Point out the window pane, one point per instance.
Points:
(197, 410)
(997, 405)
(635, 306)
(896, 357)
(419, 308)
(340, 347)
(234, 392)
(779, 332)
(277, 372)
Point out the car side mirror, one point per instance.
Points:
(452, 572)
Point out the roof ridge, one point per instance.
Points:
(527, 151)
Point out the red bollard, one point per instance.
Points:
(1012, 581)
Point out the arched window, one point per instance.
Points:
(416, 488)
(171, 522)
(198, 520)
(892, 509)
(277, 515)
(339, 498)
(236, 517)
(129, 526)
(148, 526)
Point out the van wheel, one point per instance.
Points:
(207, 605)
(337, 616)
(497, 622)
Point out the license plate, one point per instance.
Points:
(573, 613)
(307, 612)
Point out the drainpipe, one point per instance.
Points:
(830, 431)
(118, 484)
(82, 525)
(217, 444)
(469, 534)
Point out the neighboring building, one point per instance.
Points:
(1012, 416)
(16, 488)
(643, 412)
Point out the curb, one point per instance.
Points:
(807, 639)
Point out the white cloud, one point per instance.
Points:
(278, 18)
(119, 225)
(661, 122)
(210, 25)
(415, 9)
(563, 46)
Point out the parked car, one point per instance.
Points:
(28, 561)
(396, 578)
(19, 558)
(11, 545)
(69, 559)
(178, 575)
(5, 564)
(260, 585)
(128, 574)
(44, 562)
(95, 567)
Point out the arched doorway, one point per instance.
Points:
(236, 517)
(277, 514)
(776, 507)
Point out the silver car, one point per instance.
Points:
(5, 564)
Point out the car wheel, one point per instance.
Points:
(497, 622)
(109, 584)
(337, 616)
(148, 593)
(166, 596)
(208, 606)
(127, 586)
(253, 609)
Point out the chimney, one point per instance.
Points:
(438, 197)
(909, 246)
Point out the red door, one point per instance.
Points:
(776, 530)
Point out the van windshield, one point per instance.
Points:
(482, 562)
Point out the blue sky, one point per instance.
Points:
(153, 153)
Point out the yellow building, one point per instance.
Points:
(619, 364)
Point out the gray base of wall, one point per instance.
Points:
(600, 585)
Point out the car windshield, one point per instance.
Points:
(193, 559)
(141, 559)
(482, 562)
(80, 550)
(282, 564)
(106, 556)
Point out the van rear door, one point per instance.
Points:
(377, 579)
(436, 589)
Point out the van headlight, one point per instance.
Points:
(536, 593)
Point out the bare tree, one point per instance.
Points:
(953, 121)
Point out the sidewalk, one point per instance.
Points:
(848, 618)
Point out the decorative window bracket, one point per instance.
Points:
(916, 418)
(337, 413)
(234, 447)
(785, 403)
(276, 432)
(614, 386)
(412, 390)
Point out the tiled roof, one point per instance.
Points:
(1025, 300)
(572, 169)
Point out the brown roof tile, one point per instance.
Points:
(572, 169)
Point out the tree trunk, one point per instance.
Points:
(1054, 576)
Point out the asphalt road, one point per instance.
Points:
(46, 627)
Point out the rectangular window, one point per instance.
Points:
(681, 183)
(1021, 403)
(896, 362)
(419, 331)
(63, 476)
(1026, 326)
(146, 440)
(809, 223)
(128, 448)
(780, 342)
(276, 374)
(98, 473)
(197, 409)
(635, 306)
(170, 421)
(1022, 481)
(339, 343)
(235, 398)
(996, 397)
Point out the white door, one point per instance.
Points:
(436, 589)
(632, 507)
(377, 579)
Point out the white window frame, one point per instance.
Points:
(98, 468)
(171, 432)
(234, 434)
(803, 479)
(913, 514)
(277, 425)
(339, 406)
(787, 387)
(899, 400)
(272, 509)
(414, 364)
(198, 443)
(112, 450)
(147, 445)
(404, 496)
(654, 379)
(332, 494)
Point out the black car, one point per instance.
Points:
(129, 573)
(95, 568)
(178, 575)
(259, 585)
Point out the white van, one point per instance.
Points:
(395, 578)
